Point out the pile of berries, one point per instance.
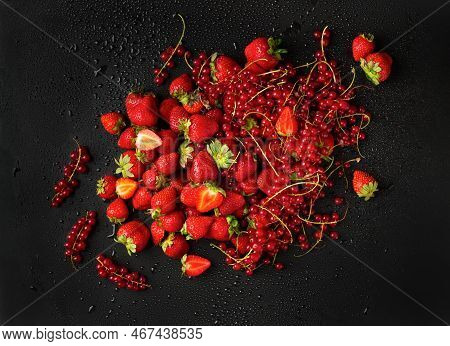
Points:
(76, 239)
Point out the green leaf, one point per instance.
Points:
(221, 154)
(185, 151)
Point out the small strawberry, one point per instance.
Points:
(175, 245)
(113, 122)
(223, 228)
(362, 45)
(126, 187)
(246, 167)
(172, 222)
(142, 109)
(142, 199)
(192, 102)
(196, 227)
(127, 139)
(364, 185)
(179, 119)
(215, 114)
(134, 235)
(242, 243)
(147, 140)
(157, 233)
(287, 124)
(223, 67)
(169, 140)
(146, 156)
(264, 52)
(117, 211)
(232, 202)
(167, 164)
(164, 201)
(209, 197)
(153, 179)
(181, 86)
(193, 265)
(203, 168)
(129, 165)
(221, 154)
(377, 67)
(201, 128)
(189, 196)
(166, 106)
(106, 187)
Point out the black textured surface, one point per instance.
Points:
(49, 96)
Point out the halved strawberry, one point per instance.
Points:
(126, 187)
(193, 265)
(147, 140)
(209, 196)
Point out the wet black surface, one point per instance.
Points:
(48, 96)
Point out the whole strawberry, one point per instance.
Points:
(364, 184)
(362, 46)
(117, 211)
(142, 109)
(377, 67)
(193, 265)
(127, 139)
(113, 122)
(129, 165)
(175, 245)
(164, 201)
(142, 199)
(157, 233)
(179, 119)
(188, 195)
(223, 228)
(106, 187)
(167, 164)
(193, 102)
(264, 52)
(223, 67)
(203, 168)
(166, 106)
(246, 167)
(172, 222)
(201, 128)
(242, 243)
(134, 235)
(153, 179)
(196, 227)
(169, 141)
(181, 86)
(232, 201)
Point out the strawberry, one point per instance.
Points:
(157, 233)
(201, 128)
(129, 165)
(242, 243)
(117, 211)
(326, 144)
(253, 67)
(193, 265)
(113, 122)
(209, 197)
(164, 201)
(172, 222)
(166, 106)
(142, 199)
(188, 196)
(221, 154)
(167, 164)
(134, 235)
(192, 211)
(146, 156)
(181, 86)
(142, 109)
(232, 202)
(364, 184)
(223, 67)
(177, 184)
(175, 245)
(215, 114)
(127, 139)
(287, 124)
(362, 45)
(203, 168)
(179, 119)
(249, 186)
(126, 187)
(147, 140)
(192, 102)
(196, 227)
(264, 52)
(169, 140)
(153, 179)
(246, 167)
(106, 187)
(223, 228)
(377, 67)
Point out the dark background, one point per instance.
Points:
(48, 96)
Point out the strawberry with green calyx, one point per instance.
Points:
(185, 150)
(232, 201)
(264, 52)
(142, 108)
(242, 243)
(209, 196)
(362, 46)
(364, 184)
(287, 124)
(157, 233)
(106, 187)
(142, 199)
(167, 164)
(215, 114)
(223, 228)
(145, 156)
(126, 187)
(193, 265)
(196, 227)
(377, 67)
(127, 139)
(113, 122)
(250, 123)
(169, 140)
(134, 235)
(117, 211)
(165, 200)
(221, 154)
(193, 102)
(175, 245)
(153, 179)
(222, 67)
(201, 128)
(181, 86)
(129, 165)
(147, 140)
(179, 120)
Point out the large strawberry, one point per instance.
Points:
(175, 245)
(142, 108)
(221, 154)
(264, 52)
(172, 222)
(362, 46)
(233, 201)
(179, 119)
(164, 201)
(201, 128)
(157, 233)
(223, 228)
(364, 184)
(209, 197)
(203, 168)
(167, 164)
(196, 227)
(223, 67)
(193, 265)
(377, 67)
(142, 199)
(106, 187)
(287, 124)
(134, 235)
(242, 243)
(127, 139)
(153, 179)
(117, 211)
(126, 187)
(113, 122)
(181, 86)
(188, 195)
(129, 165)
(166, 106)
(246, 167)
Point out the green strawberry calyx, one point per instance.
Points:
(368, 37)
(128, 242)
(214, 188)
(251, 224)
(212, 66)
(183, 127)
(250, 123)
(168, 242)
(185, 151)
(185, 232)
(221, 154)
(233, 225)
(183, 263)
(372, 70)
(101, 186)
(273, 48)
(116, 220)
(368, 190)
(124, 166)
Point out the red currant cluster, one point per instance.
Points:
(167, 57)
(120, 275)
(76, 239)
(65, 187)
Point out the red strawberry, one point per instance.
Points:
(223, 67)
(177, 184)
(362, 45)
(196, 227)
(201, 128)
(117, 211)
(179, 119)
(215, 114)
(153, 179)
(147, 140)
(377, 67)
(265, 52)
(249, 186)
(287, 124)
(203, 168)
(242, 243)
(223, 228)
(364, 184)
(175, 245)
(189, 196)
(134, 235)
(113, 122)
(165, 200)
(192, 211)
(126, 187)
(167, 164)
(172, 222)
(180, 86)
(106, 187)
(192, 102)
(232, 202)
(253, 67)
(129, 165)
(127, 139)
(142, 199)
(157, 233)
(326, 144)
(169, 140)
(142, 109)
(193, 265)
(166, 106)
(209, 197)
(146, 156)
(246, 167)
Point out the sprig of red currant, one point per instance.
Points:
(76, 239)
